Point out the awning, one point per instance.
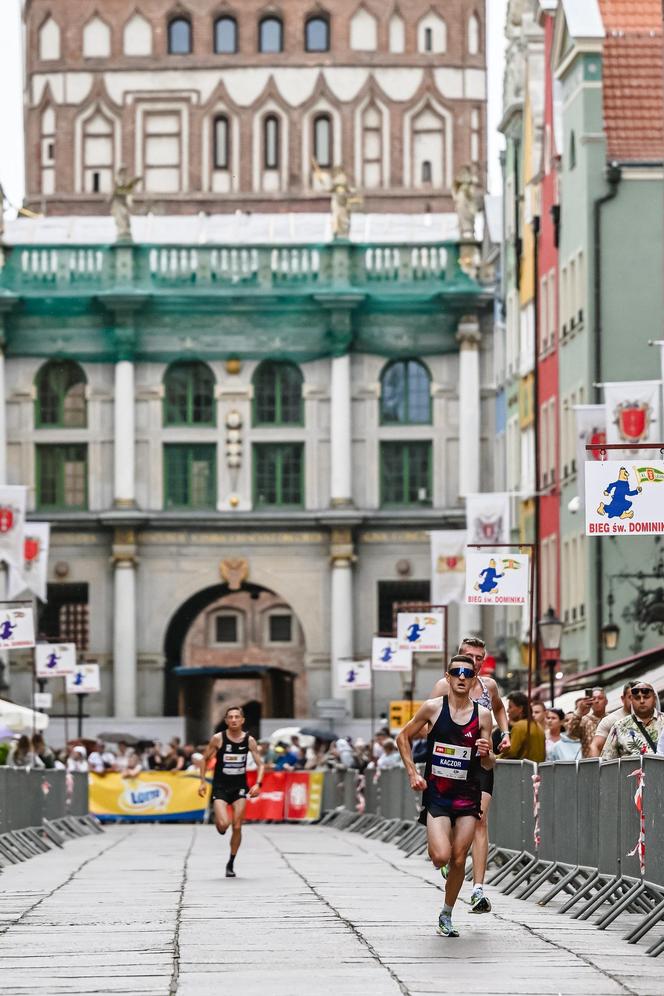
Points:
(240, 671)
(648, 665)
(20, 719)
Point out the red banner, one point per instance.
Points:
(270, 803)
(286, 795)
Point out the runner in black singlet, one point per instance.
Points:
(229, 784)
(458, 747)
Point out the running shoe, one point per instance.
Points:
(479, 903)
(229, 872)
(446, 927)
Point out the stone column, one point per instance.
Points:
(341, 608)
(124, 489)
(468, 337)
(124, 623)
(340, 433)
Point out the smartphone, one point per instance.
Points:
(588, 693)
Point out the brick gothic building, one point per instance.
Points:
(220, 106)
(241, 430)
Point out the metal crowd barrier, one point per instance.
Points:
(40, 809)
(566, 829)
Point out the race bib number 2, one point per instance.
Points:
(451, 761)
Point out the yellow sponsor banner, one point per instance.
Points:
(401, 711)
(152, 795)
(316, 779)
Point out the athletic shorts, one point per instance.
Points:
(486, 780)
(437, 811)
(229, 795)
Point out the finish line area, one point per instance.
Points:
(314, 910)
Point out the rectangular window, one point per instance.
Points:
(62, 476)
(226, 630)
(278, 474)
(64, 618)
(281, 628)
(405, 473)
(391, 592)
(552, 307)
(221, 143)
(544, 314)
(162, 152)
(189, 475)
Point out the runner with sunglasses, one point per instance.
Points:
(458, 748)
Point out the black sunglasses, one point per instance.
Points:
(461, 672)
(642, 692)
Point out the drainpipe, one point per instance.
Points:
(537, 594)
(613, 178)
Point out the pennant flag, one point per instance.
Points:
(494, 580)
(386, 656)
(34, 572)
(632, 411)
(488, 518)
(55, 660)
(421, 632)
(12, 523)
(590, 428)
(624, 498)
(448, 565)
(354, 674)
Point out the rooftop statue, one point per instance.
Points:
(466, 192)
(343, 198)
(121, 203)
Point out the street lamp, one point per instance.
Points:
(550, 632)
(610, 631)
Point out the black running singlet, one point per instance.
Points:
(230, 771)
(453, 768)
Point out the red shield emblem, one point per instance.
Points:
(451, 562)
(488, 530)
(31, 548)
(598, 438)
(6, 519)
(633, 421)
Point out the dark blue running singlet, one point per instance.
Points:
(453, 768)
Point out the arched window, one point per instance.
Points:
(278, 394)
(270, 35)
(225, 35)
(473, 34)
(179, 36)
(405, 397)
(372, 147)
(61, 398)
(221, 142)
(317, 35)
(189, 394)
(271, 142)
(323, 140)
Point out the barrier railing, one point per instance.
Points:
(28, 797)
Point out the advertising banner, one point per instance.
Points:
(590, 428)
(624, 497)
(354, 674)
(32, 576)
(85, 680)
(270, 803)
(488, 518)
(165, 796)
(16, 627)
(448, 565)
(632, 411)
(12, 523)
(304, 795)
(386, 656)
(421, 632)
(55, 660)
(496, 580)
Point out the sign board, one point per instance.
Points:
(55, 660)
(386, 656)
(401, 710)
(496, 580)
(354, 674)
(43, 700)
(85, 680)
(331, 708)
(421, 632)
(625, 497)
(16, 627)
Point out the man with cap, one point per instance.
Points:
(639, 732)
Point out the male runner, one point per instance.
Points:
(458, 746)
(485, 692)
(229, 784)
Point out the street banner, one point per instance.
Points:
(421, 632)
(55, 660)
(488, 518)
(497, 580)
(624, 497)
(632, 411)
(85, 680)
(304, 796)
(354, 674)
(386, 656)
(269, 805)
(12, 523)
(162, 796)
(590, 428)
(16, 627)
(33, 574)
(448, 565)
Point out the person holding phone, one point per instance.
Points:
(586, 718)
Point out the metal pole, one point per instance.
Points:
(531, 638)
(552, 689)
(79, 717)
(66, 712)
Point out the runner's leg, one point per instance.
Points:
(239, 807)
(462, 838)
(222, 819)
(439, 839)
(481, 843)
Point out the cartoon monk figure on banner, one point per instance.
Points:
(620, 492)
(490, 578)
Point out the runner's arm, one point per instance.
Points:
(413, 727)
(483, 744)
(260, 768)
(498, 707)
(518, 742)
(440, 688)
(212, 748)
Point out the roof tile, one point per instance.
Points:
(633, 95)
(631, 15)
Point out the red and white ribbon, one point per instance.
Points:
(361, 802)
(536, 811)
(640, 847)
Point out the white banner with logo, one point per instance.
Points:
(16, 627)
(12, 523)
(590, 428)
(497, 580)
(84, 680)
(354, 674)
(624, 497)
(421, 632)
(448, 565)
(55, 660)
(33, 575)
(488, 518)
(386, 656)
(632, 411)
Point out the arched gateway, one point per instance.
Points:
(243, 647)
